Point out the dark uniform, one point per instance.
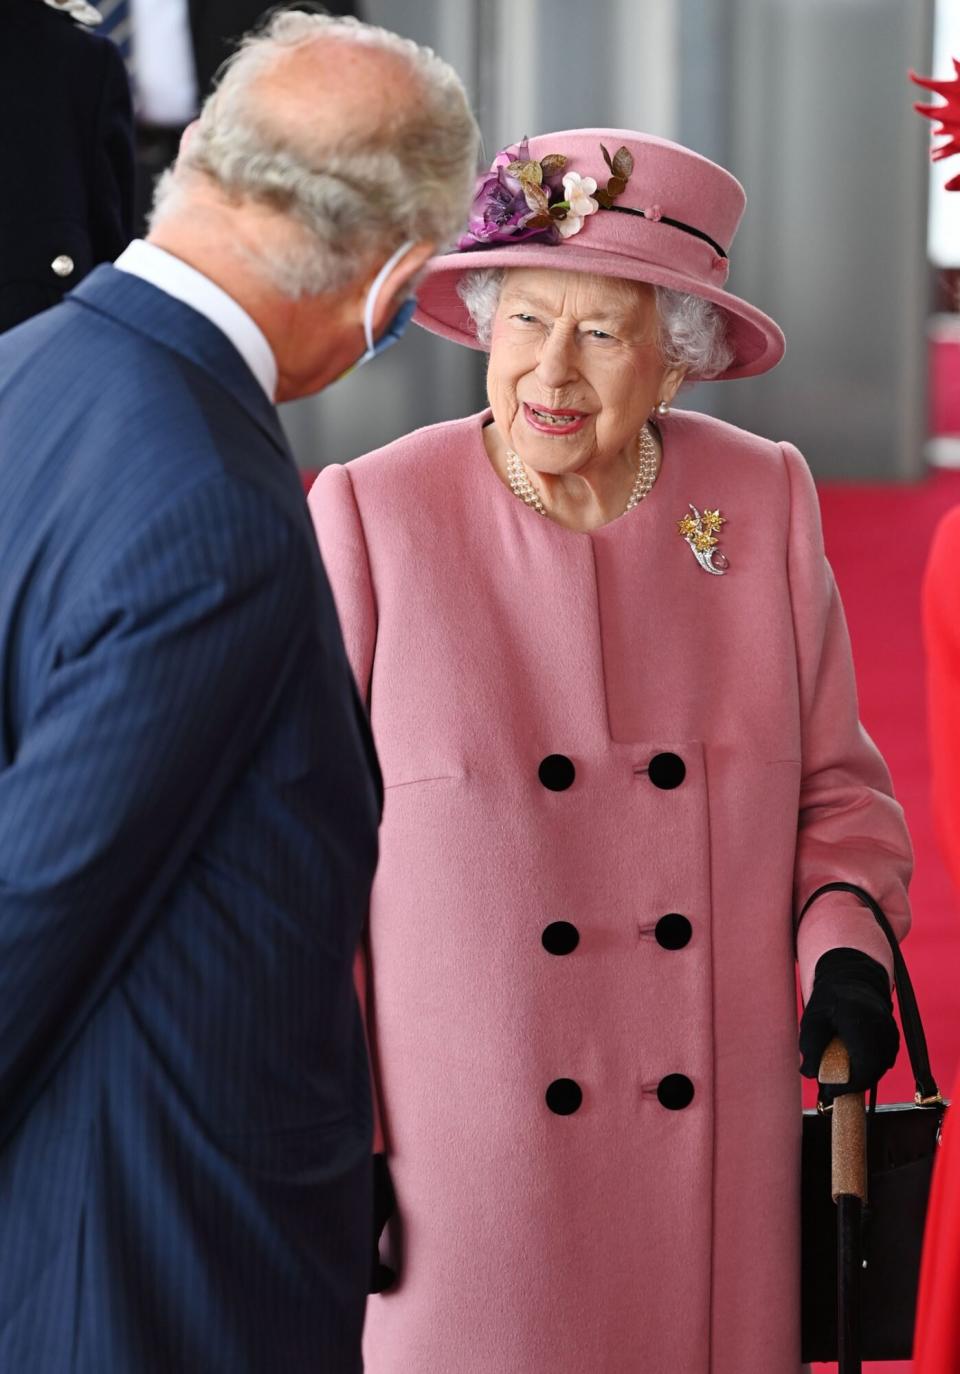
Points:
(67, 156)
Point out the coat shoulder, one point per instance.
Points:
(772, 473)
(415, 465)
(718, 439)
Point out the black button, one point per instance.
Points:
(675, 1092)
(560, 937)
(667, 771)
(564, 1096)
(673, 931)
(557, 772)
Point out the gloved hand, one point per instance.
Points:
(384, 1206)
(851, 999)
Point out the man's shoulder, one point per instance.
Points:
(118, 384)
(81, 389)
(118, 426)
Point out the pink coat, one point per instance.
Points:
(634, 1235)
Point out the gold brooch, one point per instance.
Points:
(700, 532)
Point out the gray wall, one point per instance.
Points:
(807, 102)
(815, 118)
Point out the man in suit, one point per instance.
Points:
(188, 793)
(67, 157)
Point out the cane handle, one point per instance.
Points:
(848, 1132)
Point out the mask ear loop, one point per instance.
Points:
(374, 291)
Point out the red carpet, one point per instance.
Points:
(877, 539)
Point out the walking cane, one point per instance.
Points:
(848, 1157)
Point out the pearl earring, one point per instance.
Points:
(662, 408)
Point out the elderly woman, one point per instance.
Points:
(613, 697)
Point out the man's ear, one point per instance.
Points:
(397, 284)
(186, 138)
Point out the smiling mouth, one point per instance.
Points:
(559, 418)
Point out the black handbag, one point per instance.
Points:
(902, 1141)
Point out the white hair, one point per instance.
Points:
(692, 330)
(361, 192)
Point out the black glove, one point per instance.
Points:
(851, 999)
(384, 1206)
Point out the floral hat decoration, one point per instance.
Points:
(610, 202)
(521, 199)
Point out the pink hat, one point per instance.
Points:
(613, 203)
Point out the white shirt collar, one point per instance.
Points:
(185, 283)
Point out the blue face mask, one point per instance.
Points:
(399, 321)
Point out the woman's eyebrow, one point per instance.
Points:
(522, 298)
(538, 302)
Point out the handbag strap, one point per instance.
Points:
(928, 1094)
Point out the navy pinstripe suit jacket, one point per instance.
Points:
(188, 812)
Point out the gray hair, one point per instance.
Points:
(692, 330)
(364, 192)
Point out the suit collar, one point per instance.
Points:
(140, 306)
(178, 279)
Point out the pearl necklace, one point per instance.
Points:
(525, 491)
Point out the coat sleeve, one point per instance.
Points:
(941, 625)
(343, 547)
(850, 827)
(158, 682)
(111, 200)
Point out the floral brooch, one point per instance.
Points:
(700, 532)
(521, 199)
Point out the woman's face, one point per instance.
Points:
(574, 367)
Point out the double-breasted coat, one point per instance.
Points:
(612, 778)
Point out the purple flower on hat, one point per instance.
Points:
(520, 199)
(511, 202)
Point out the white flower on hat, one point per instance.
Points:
(572, 224)
(578, 192)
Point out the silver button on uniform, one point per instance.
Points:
(63, 265)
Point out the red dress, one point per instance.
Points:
(937, 1349)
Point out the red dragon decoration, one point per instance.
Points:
(948, 116)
